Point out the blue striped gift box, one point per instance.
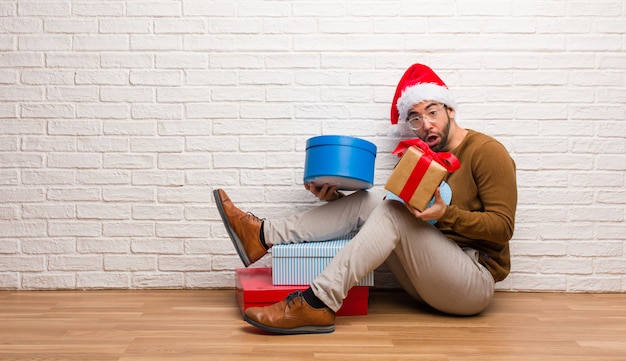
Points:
(300, 263)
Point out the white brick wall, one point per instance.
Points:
(118, 119)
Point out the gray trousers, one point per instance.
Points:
(428, 265)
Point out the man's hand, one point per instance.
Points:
(325, 193)
(434, 212)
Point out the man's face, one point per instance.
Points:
(430, 121)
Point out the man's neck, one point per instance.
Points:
(457, 137)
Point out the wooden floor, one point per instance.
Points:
(207, 325)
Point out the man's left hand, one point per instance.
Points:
(434, 212)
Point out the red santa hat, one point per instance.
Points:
(418, 83)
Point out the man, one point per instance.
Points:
(452, 265)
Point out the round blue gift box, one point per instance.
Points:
(339, 160)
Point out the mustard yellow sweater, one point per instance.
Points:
(481, 214)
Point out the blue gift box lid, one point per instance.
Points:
(341, 140)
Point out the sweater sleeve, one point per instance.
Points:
(487, 213)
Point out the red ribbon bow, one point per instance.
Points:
(447, 160)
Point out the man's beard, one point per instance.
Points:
(443, 136)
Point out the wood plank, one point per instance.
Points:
(125, 325)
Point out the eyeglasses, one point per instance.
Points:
(416, 122)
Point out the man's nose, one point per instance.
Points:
(427, 125)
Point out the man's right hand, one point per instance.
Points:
(325, 193)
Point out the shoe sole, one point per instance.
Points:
(231, 232)
(291, 331)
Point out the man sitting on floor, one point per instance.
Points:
(452, 265)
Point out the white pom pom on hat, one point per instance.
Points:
(418, 83)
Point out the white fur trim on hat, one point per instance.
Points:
(418, 93)
(401, 130)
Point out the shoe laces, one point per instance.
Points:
(292, 297)
(255, 217)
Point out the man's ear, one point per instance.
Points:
(451, 111)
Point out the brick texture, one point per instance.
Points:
(118, 119)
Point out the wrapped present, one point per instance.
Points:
(254, 288)
(419, 172)
(300, 263)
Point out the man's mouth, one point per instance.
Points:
(431, 139)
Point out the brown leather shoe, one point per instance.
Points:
(293, 315)
(243, 228)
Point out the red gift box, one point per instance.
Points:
(254, 288)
